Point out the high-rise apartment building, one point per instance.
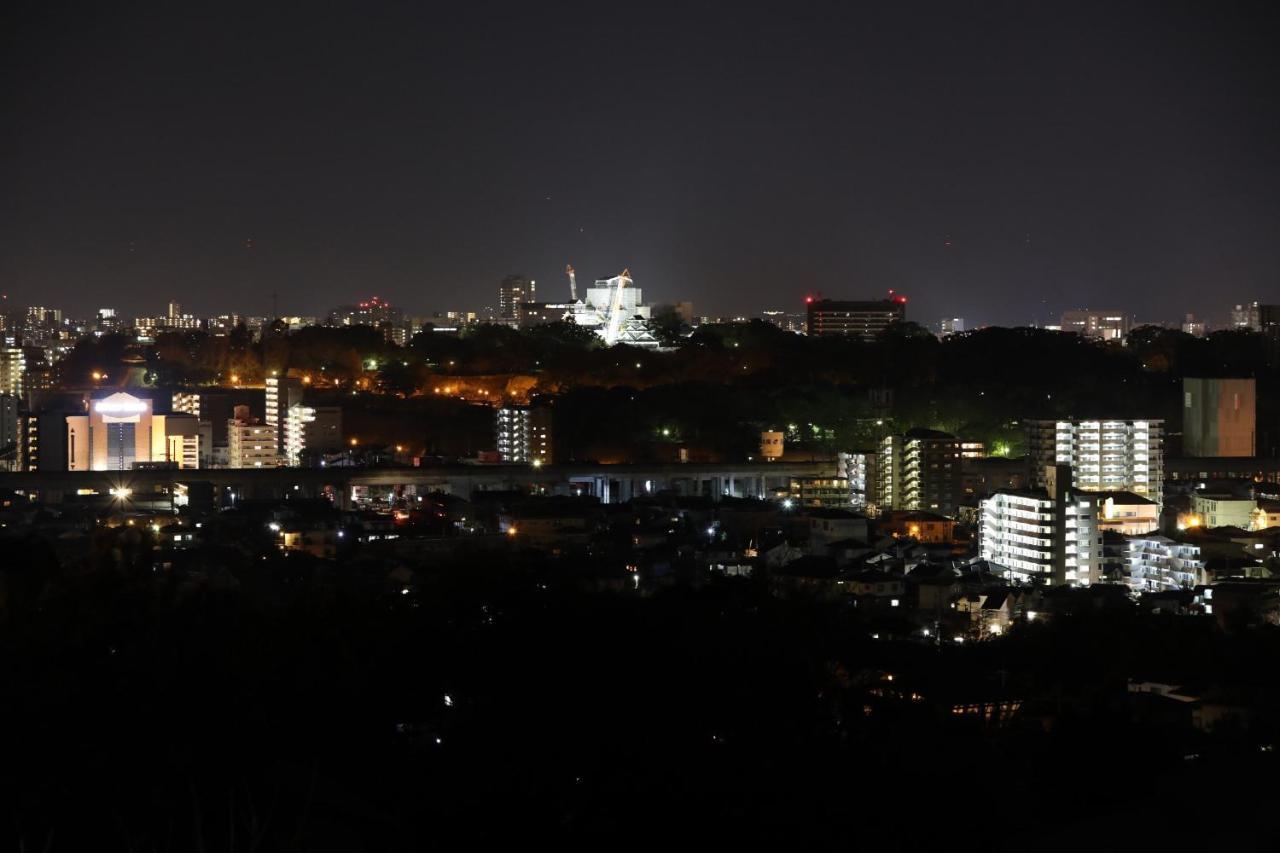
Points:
(1158, 563)
(1246, 317)
(1047, 536)
(10, 433)
(310, 430)
(13, 366)
(919, 469)
(1219, 417)
(523, 434)
(512, 292)
(1104, 455)
(282, 393)
(858, 469)
(251, 443)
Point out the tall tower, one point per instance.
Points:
(512, 292)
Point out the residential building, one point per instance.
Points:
(512, 293)
(13, 365)
(1157, 563)
(282, 393)
(1045, 535)
(1246, 317)
(311, 430)
(1219, 417)
(1192, 326)
(1266, 516)
(1217, 510)
(859, 470)
(251, 443)
(10, 433)
(523, 434)
(863, 320)
(829, 524)
(1126, 513)
(1104, 455)
(984, 475)
(823, 492)
(928, 527)
(1097, 325)
(919, 469)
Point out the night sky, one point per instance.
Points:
(997, 161)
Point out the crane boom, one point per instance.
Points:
(573, 283)
(615, 309)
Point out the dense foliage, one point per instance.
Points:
(715, 389)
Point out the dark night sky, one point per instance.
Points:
(980, 157)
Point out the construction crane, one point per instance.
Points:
(615, 309)
(573, 284)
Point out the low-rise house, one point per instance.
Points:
(922, 526)
(833, 525)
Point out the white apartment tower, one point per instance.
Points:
(523, 434)
(1105, 455)
(1159, 563)
(1047, 536)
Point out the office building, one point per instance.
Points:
(512, 293)
(121, 432)
(540, 313)
(523, 434)
(864, 320)
(1105, 455)
(250, 442)
(373, 311)
(1043, 536)
(1097, 325)
(920, 470)
(1219, 417)
(950, 326)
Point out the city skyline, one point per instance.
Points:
(981, 161)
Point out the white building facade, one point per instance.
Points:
(1048, 536)
(1104, 455)
(1160, 563)
(251, 445)
(523, 434)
